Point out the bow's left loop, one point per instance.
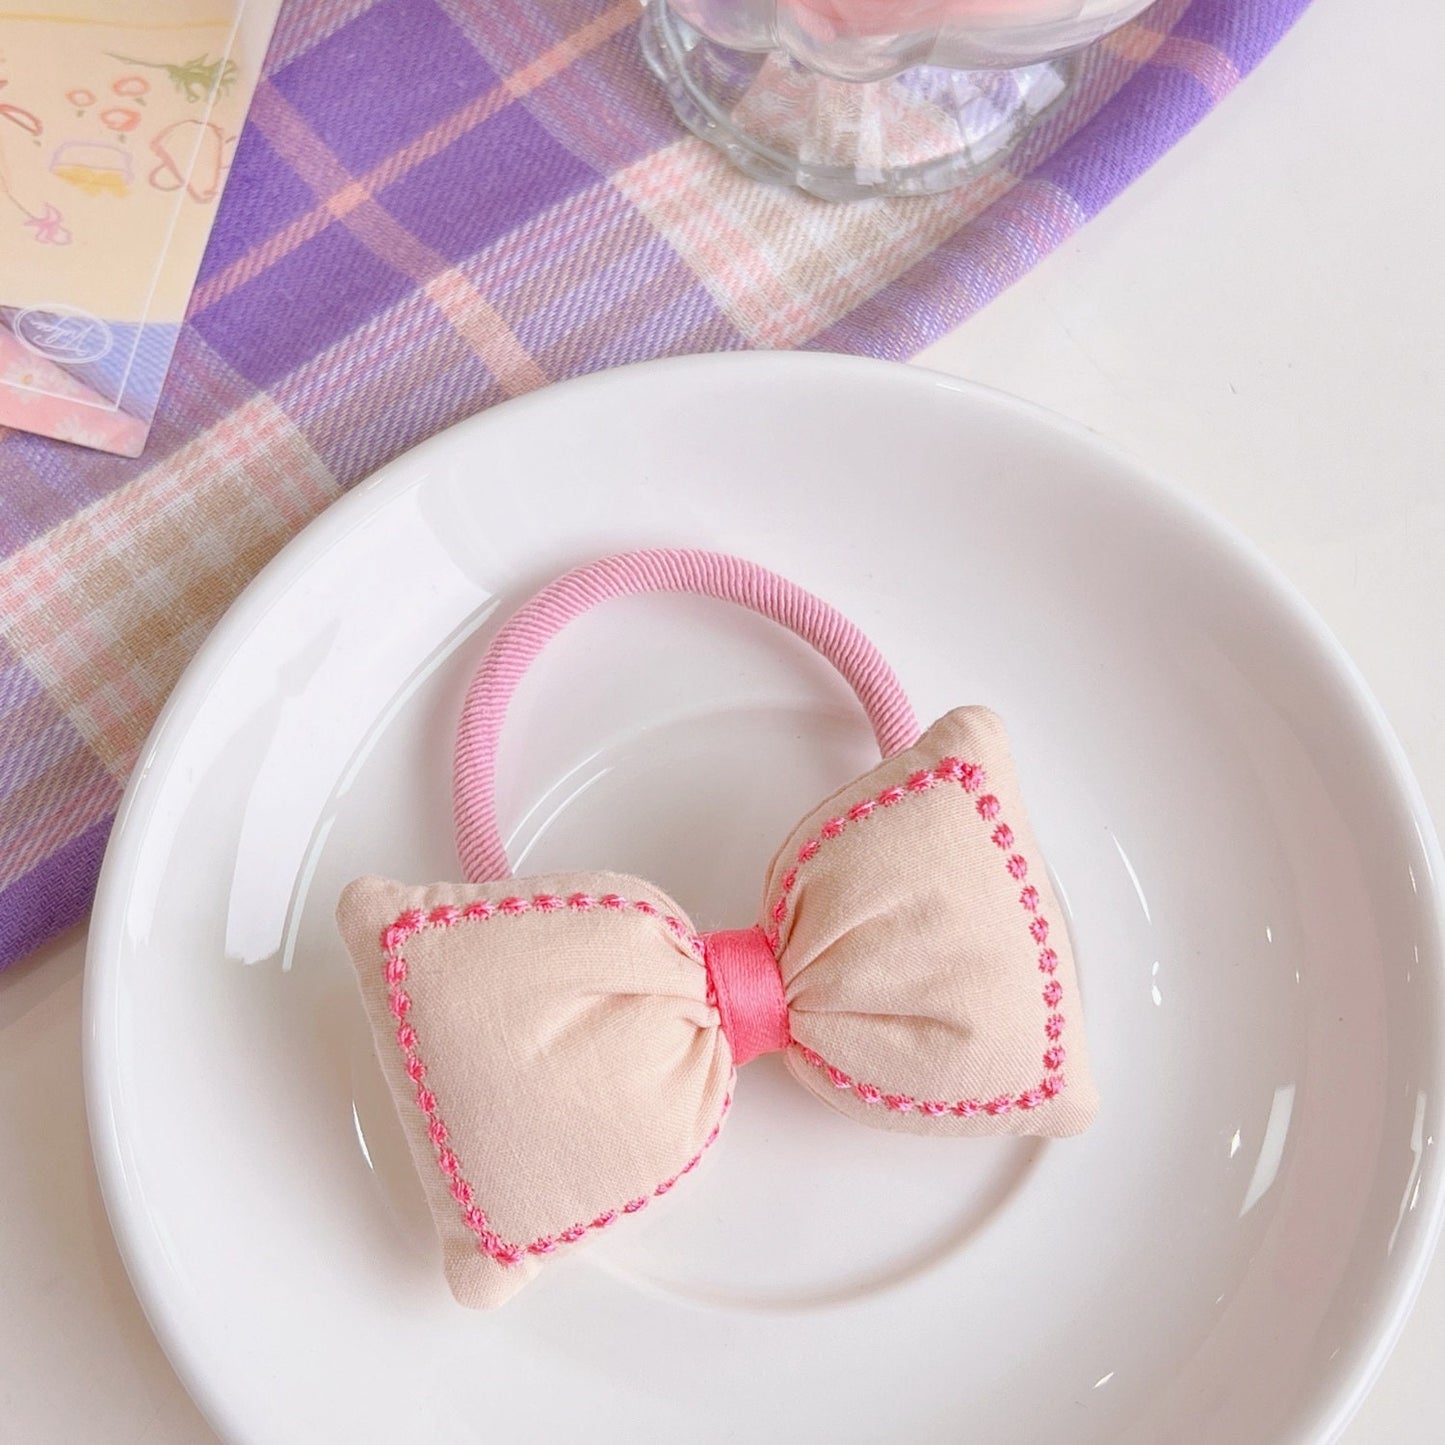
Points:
(553, 1054)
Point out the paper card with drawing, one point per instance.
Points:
(118, 119)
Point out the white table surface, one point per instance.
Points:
(1262, 317)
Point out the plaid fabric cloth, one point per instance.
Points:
(436, 205)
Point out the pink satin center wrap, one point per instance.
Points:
(749, 992)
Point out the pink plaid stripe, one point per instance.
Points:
(107, 607)
(73, 808)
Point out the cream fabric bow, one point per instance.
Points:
(562, 1049)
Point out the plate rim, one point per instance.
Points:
(101, 983)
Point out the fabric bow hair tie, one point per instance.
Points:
(562, 1049)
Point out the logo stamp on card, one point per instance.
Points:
(62, 334)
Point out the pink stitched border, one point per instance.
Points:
(394, 938)
(970, 777)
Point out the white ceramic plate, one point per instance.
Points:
(1249, 873)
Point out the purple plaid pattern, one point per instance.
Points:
(515, 205)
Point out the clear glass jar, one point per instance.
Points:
(854, 98)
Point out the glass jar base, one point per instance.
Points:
(925, 130)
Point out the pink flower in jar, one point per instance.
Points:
(847, 19)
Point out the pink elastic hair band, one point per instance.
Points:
(706, 574)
